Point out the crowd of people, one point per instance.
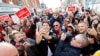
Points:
(57, 33)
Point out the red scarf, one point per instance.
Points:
(57, 32)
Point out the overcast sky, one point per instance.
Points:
(51, 3)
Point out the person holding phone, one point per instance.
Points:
(42, 38)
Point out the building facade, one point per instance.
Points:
(11, 6)
(27, 3)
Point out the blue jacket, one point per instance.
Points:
(52, 20)
(65, 49)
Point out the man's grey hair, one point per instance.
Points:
(81, 38)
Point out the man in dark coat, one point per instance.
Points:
(72, 49)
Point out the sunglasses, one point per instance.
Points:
(55, 25)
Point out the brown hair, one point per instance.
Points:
(46, 22)
(21, 50)
(25, 23)
(64, 21)
(55, 13)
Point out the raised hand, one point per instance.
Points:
(90, 40)
(63, 36)
(38, 35)
(93, 32)
(45, 33)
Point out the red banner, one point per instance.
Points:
(5, 18)
(71, 8)
(24, 12)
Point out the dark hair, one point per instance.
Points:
(32, 30)
(21, 50)
(36, 19)
(73, 31)
(71, 28)
(58, 22)
(89, 21)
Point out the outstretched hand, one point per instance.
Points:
(63, 36)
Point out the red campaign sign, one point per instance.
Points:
(24, 12)
(71, 8)
(5, 18)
